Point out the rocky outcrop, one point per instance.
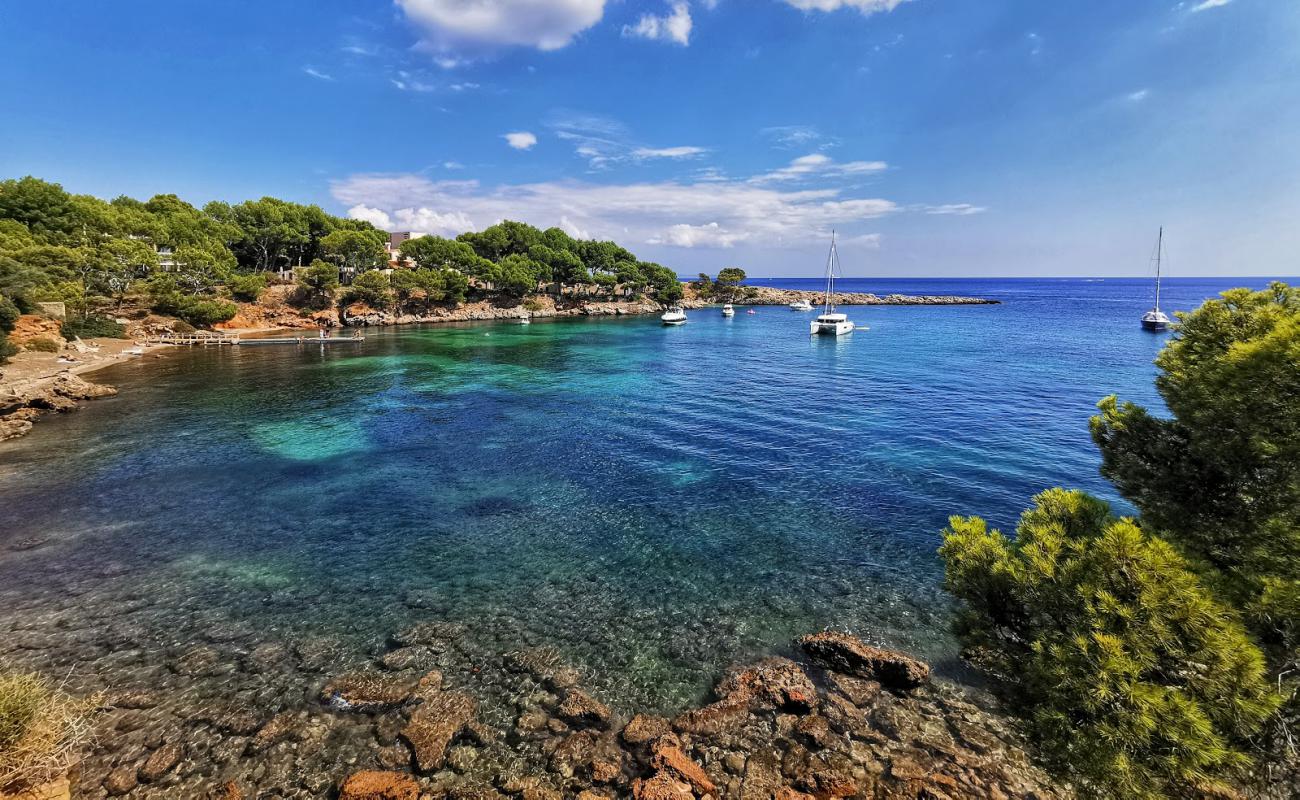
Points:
(847, 654)
(34, 326)
(767, 296)
(19, 411)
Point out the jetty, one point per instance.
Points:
(216, 339)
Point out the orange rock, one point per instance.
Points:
(661, 786)
(34, 326)
(376, 785)
(668, 756)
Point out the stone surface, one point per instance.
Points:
(668, 757)
(367, 691)
(644, 729)
(160, 762)
(375, 785)
(434, 724)
(848, 654)
(581, 709)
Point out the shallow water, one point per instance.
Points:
(654, 502)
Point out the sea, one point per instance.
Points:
(649, 504)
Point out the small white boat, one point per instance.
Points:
(830, 322)
(674, 316)
(802, 305)
(1155, 319)
(524, 321)
(728, 310)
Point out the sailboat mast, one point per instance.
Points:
(827, 306)
(1160, 247)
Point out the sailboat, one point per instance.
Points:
(1155, 319)
(830, 322)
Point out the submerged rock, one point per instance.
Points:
(582, 710)
(848, 654)
(376, 785)
(434, 725)
(367, 691)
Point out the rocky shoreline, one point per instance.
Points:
(767, 296)
(840, 719)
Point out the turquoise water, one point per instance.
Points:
(656, 503)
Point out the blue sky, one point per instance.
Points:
(940, 137)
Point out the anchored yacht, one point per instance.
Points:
(728, 310)
(674, 316)
(830, 322)
(1155, 319)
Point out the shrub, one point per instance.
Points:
(1133, 679)
(247, 288)
(42, 730)
(205, 312)
(92, 327)
(44, 344)
(8, 318)
(533, 304)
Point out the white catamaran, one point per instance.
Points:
(830, 322)
(1155, 319)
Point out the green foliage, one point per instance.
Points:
(92, 327)
(518, 275)
(43, 208)
(1221, 478)
(204, 312)
(372, 288)
(43, 344)
(9, 314)
(703, 286)
(730, 277)
(435, 252)
(246, 288)
(356, 250)
(316, 285)
(1133, 679)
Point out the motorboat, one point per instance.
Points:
(1155, 319)
(674, 316)
(802, 305)
(728, 310)
(831, 322)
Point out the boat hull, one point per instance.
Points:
(831, 328)
(1155, 326)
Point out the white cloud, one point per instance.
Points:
(544, 24)
(954, 210)
(419, 220)
(674, 27)
(668, 152)
(411, 83)
(710, 235)
(820, 165)
(1138, 96)
(317, 74)
(798, 136)
(1208, 4)
(604, 142)
(865, 6)
(712, 213)
(374, 216)
(520, 140)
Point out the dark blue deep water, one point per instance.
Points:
(654, 502)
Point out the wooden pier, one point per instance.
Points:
(213, 338)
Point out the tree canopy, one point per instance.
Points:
(1221, 477)
(1133, 678)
